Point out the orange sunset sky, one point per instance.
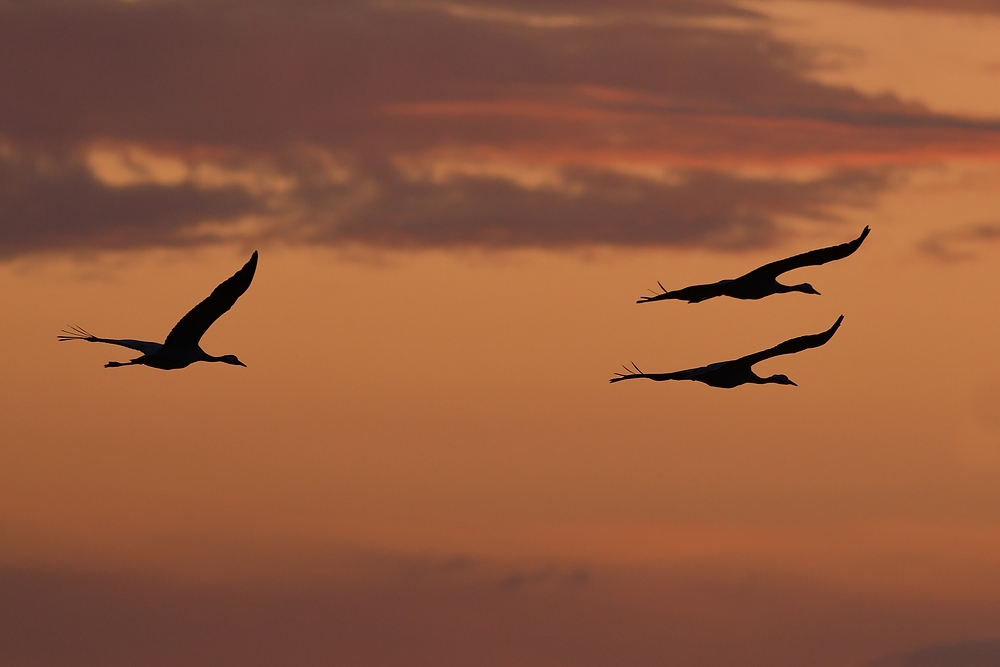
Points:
(456, 205)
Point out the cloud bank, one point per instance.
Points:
(470, 613)
(423, 124)
(958, 654)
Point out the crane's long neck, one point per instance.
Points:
(226, 359)
(202, 355)
(205, 356)
(773, 379)
(801, 287)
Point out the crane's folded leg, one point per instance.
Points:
(117, 364)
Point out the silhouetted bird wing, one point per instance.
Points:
(191, 327)
(792, 346)
(811, 258)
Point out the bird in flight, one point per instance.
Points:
(729, 374)
(762, 281)
(181, 347)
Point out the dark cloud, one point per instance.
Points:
(46, 203)
(973, 6)
(571, 89)
(268, 73)
(65, 206)
(703, 208)
(549, 574)
(518, 579)
(960, 654)
(450, 618)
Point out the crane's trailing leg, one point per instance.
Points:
(77, 333)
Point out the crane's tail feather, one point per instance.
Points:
(653, 294)
(629, 373)
(74, 332)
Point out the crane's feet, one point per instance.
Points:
(76, 333)
(628, 374)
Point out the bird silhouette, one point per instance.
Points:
(181, 347)
(729, 374)
(762, 281)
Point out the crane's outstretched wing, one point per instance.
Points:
(811, 258)
(76, 333)
(692, 294)
(191, 327)
(793, 345)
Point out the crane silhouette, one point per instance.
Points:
(181, 348)
(762, 281)
(729, 374)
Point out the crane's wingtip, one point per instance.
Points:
(251, 264)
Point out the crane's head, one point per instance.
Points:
(231, 359)
(807, 288)
(780, 379)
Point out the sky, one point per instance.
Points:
(456, 205)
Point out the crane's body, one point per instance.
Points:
(762, 281)
(181, 347)
(729, 374)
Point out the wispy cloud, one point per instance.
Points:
(960, 244)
